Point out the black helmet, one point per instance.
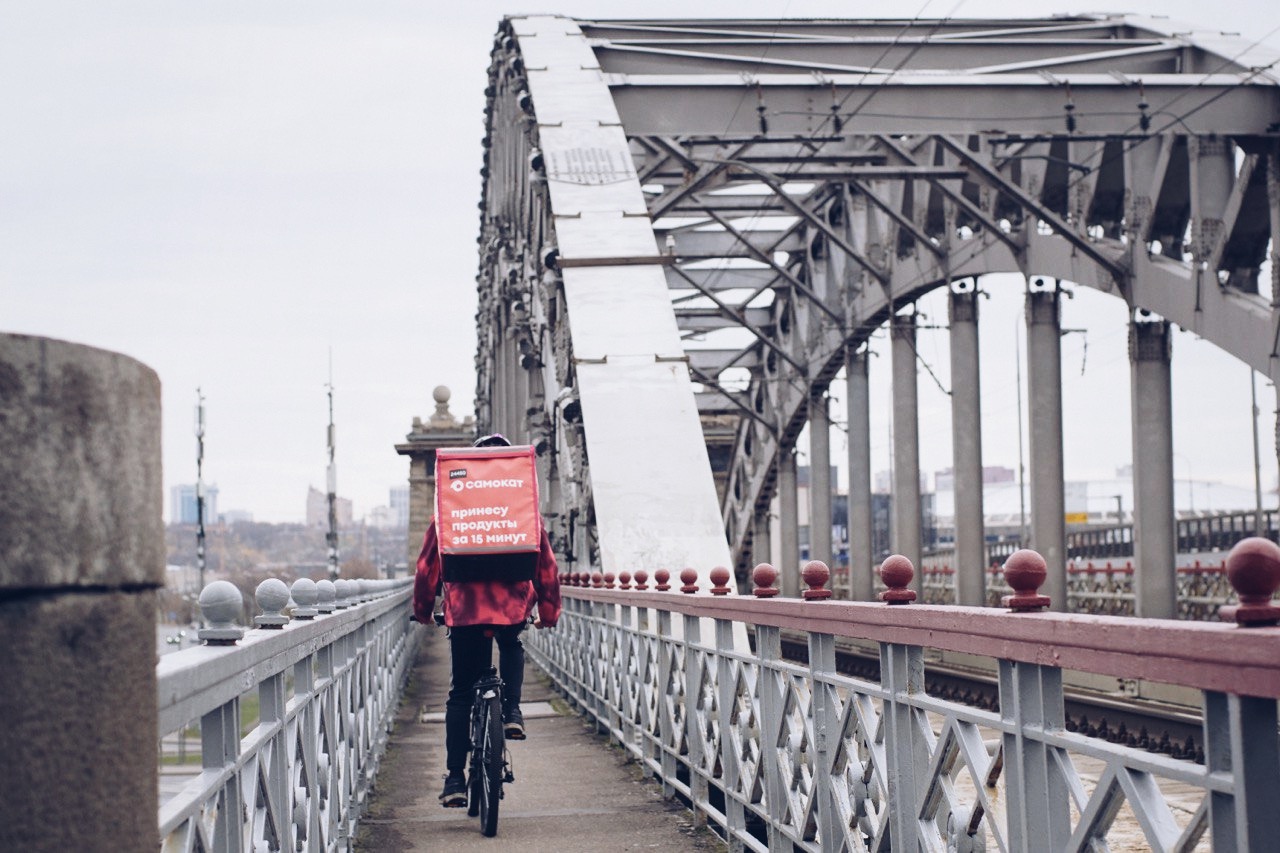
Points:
(495, 440)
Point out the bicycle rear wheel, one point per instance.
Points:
(491, 759)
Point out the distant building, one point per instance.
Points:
(235, 516)
(945, 480)
(182, 504)
(318, 509)
(382, 517)
(400, 506)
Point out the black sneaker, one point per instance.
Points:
(454, 795)
(513, 725)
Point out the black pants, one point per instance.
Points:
(471, 650)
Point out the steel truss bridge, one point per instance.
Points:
(690, 229)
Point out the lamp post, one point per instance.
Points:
(200, 489)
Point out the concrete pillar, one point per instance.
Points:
(820, 490)
(861, 585)
(1154, 535)
(1044, 422)
(906, 444)
(789, 526)
(81, 554)
(966, 448)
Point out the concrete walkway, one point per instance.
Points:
(573, 792)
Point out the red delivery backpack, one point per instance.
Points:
(487, 520)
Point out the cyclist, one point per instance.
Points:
(477, 613)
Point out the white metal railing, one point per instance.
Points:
(327, 680)
(781, 756)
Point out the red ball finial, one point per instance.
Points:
(1025, 571)
(815, 575)
(642, 579)
(624, 580)
(660, 578)
(720, 581)
(1253, 569)
(896, 571)
(597, 580)
(763, 577)
(608, 580)
(689, 579)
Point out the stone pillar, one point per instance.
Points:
(861, 583)
(441, 430)
(819, 479)
(906, 443)
(788, 525)
(1044, 422)
(1154, 535)
(966, 449)
(81, 554)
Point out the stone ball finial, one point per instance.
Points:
(815, 575)
(1253, 570)
(660, 578)
(327, 595)
(624, 580)
(441, 394)
(763, 576)
(720, 580)
(1025, 571)
(221, 604)
(608, 580)
(896, 571)
(272, 596)
(642, 579)
(689, 579)
(305, 596)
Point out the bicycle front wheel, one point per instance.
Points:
(490, 787)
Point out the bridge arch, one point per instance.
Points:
(754, 201)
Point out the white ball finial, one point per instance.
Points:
(221, 604)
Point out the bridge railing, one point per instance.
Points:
(780, 755)
(327, 680)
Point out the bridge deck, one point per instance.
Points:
(572, 792)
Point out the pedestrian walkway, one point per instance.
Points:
(573, 792)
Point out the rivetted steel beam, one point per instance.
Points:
(664, 104)
(966, 450)
(789, 525)
(622, 322)
(906, 443)
(721, 278)
(861, 562)
(1154, 537)
(1044, 423)
(820, 489)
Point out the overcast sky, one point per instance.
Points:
(231, 191)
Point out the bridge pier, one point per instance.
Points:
(906, 443)
(1044, 423)
(861, 558)
(1155, 544)
(966, 450)
(81, 555)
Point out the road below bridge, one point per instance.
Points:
(572, 792)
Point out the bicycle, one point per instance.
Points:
(489, 765)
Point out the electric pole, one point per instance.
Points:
(332, 537)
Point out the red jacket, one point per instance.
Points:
(486, 602)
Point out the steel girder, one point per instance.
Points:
(800, 181)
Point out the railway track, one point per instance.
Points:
(1157, 717)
